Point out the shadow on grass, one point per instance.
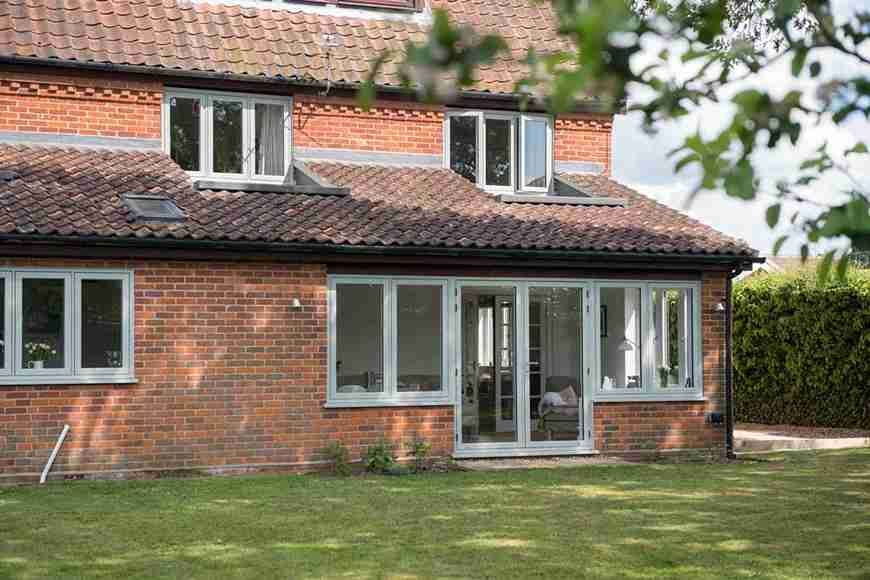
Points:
(802, 516)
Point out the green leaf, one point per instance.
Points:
(859, 149)
(797, 62)
(740, 181)
(843, 268)
(825, 267)
(815, 69)
(777, 246)
(772, 215)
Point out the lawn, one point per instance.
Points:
(800, 515)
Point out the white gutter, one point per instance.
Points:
(54, 453)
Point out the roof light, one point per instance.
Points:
(155, 208)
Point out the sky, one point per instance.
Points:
(641, 162)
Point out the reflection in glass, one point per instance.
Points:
(102, 320)
(227, 136)
(498, 152)
(672, 316)
(621, 348)
(184, 132)
(463, 146)
(488, 375)
(359, 328)
(419, 338)
(43, 308)
(556, 362)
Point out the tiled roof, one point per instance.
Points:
(77, 192)
(260, 42)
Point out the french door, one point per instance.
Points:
(524, 367)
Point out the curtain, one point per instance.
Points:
(269, 139)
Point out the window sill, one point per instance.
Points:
(67, 380)
(358, 403)
(646, 397)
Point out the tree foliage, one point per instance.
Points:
(722, 46)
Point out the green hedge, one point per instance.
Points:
(802, 351)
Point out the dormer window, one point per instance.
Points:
(228, 136)
(501, 152)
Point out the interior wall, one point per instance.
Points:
(359, 329)
(613, 360)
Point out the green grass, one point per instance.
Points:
(799, 515)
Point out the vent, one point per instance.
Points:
(153, 208)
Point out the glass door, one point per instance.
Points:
(556, 389)
(488, 413)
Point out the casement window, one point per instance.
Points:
(394, 4)
(501, 152)
(227, 135)
(61, 326)
(388, 341)
(649, 340)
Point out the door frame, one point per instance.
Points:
(523, 446)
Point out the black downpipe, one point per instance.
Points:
(729, 372)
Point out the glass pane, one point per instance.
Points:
(498, 152)
(556, 413)
(42, 321)
(102, 324)
(184, 132)
(227, 136)
(672, 324)
(359, 338)
(488, 376)
(269, 139)
(3, 336)
(621, 347)
(419, 338)
(463, 147)
(535, 153)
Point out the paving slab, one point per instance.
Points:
(750, 438)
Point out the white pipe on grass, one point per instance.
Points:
(54, 454)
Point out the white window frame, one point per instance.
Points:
(206, 145)
(14, 373)
(390, 396)
(694, 330)
(518, 121)
(649, 389)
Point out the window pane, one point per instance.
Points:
(535, 153)
(3, 336)
(419, 338)
(184, 132)
(42, 321)
(621, 348)
(558, 353)
(463, 147)
(102, 320)
(359, 340)
(227, 136)
(672, 323)
(269, 139)
(498, 152)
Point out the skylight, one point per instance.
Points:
(153, 208)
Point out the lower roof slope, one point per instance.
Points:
(62, 191)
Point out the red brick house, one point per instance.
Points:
(211, 258)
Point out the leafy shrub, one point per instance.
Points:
(420, 450)
(340, 457)
(380, 457)
(802, 351)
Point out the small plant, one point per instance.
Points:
(421, 450)
(380, 457)
(37, 352)
(340, 457)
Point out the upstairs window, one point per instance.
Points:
(501, 152)
(228, 136)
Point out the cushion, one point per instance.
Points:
(569, 397)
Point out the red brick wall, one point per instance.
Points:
(229, 375)
(337, 123)
(106, 106)
(582, 137)
(652, 427)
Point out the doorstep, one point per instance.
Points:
(509, 463)
(524, 452)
